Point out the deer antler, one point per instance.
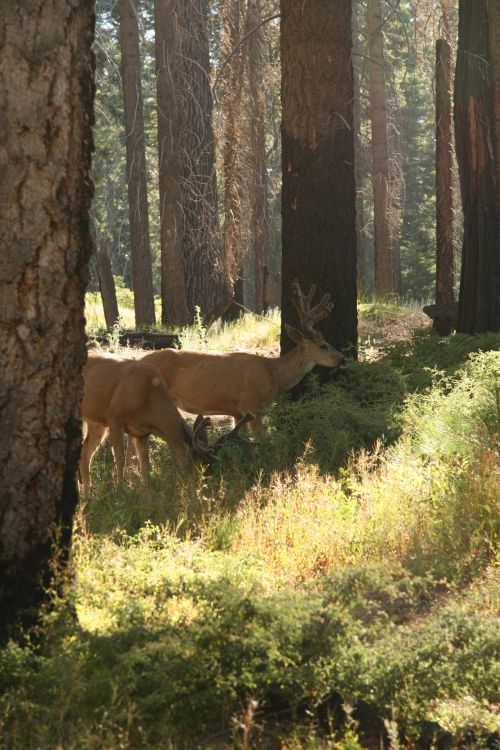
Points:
(200, 439)
(308, 317)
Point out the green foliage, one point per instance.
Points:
(278, 585)
(187, 677)
(418, 360)
(355, 409)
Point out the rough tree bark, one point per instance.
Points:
(318, 198)
(445, 264)
(192, 155)
(233, 58)
(46, 97)
(475, 131)
(387, 266)
(363, 283)
(174, 309)
(140, 251)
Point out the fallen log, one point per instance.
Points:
(143, 340)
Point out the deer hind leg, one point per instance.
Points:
(93, 439)
(117, 437)
(130, 452)
(254, 425)
(141, 446)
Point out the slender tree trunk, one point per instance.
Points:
(233, 55)
(358, 152)
(140, 251)
(173, 286)
(107, 284)
(387, 268)
(318, 198)
(445, 265)
(479, 299)
(257, 152)
(44, 222)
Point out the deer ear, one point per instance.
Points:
(294, 333)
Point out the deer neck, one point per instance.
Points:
(290, 368)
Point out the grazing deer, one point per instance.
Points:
(237, 382)
(126, 396)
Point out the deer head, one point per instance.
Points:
(208, 454)
(312, 341)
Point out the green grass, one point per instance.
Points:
(347, 568)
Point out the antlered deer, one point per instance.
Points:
(237, 382)
(126, 396)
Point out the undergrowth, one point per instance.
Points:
(334, 588)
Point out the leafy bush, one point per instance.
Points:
(333, 420)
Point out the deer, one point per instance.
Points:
(126, 396)
(234, 383)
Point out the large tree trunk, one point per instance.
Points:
(140, 251)
(258, 227)
(174, 309)
(192, 155)
(445, 265)
(387, 266)
(318, 199)
(45, 195)
(479, 300)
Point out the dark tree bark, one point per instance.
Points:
(387, 263)
(174, 309)
(258, 226)
(45, 195)
(445, 264)
(140, 251)
(318, 199)
(479, 299)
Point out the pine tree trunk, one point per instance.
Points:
(479, 299)
(445, 265)
(233, 58)
(44, 222)
(318, 198)
(191, 152)
(358, 152)
(140, 251)
(173, 286)
(258, 228)
(107, 286)
(387, 267)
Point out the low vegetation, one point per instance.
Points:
(334, 588)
